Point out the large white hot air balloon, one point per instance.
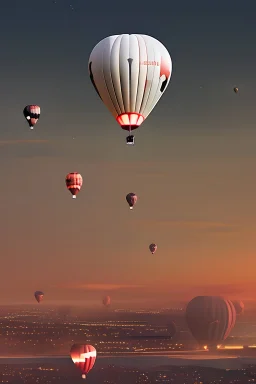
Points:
(130, 73)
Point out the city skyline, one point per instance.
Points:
(60, 371)
(192, 166)
(50, 331)
(140, 346)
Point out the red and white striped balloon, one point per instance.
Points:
(84, 357)
(74, 182)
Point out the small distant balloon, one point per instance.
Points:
(83, 356)
(74, 182)
(239, 306)
(39, 295)
(131, 199)
(32, 114)
(153, 248)
(236, 90)
(106, 301)
(171, 328)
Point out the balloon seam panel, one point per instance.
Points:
(120, 70)
(111, 78)
(146, 78)
(154, 68)
(138, 73)
(109, 93)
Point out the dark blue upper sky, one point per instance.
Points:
(45, 48)
(193, 165)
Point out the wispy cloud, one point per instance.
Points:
(222, 289)
(211, 226)
(11, 142)
(140, 168)
(131, 165)
(241, 290)
(164, 294)
(27, 148)
(100, 287)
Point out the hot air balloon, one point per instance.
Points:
(236, 90)
(83, 357)
(171, 328)
(210, 319)
(153, 248)
(239, 307)
(39, 295)
(32, 114)
(130, 73)
(74, 182)
(131, 199)
(106, 301)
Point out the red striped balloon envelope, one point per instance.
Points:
(74, 182)
(84, 357)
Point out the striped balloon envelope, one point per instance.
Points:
(32, 114)
(130, 74)
(74, 182)
(210, 319)
(84, 357)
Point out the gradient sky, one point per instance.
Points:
(193, 165)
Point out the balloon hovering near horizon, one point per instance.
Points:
(74, 182)
(39, 295)
(210, 319)
(84, 357)
(171, 328)
(130, 74)
(153, 248)
(106, 301)
(32, 114)
(236, 90)
(131, 199)
(239, 307)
